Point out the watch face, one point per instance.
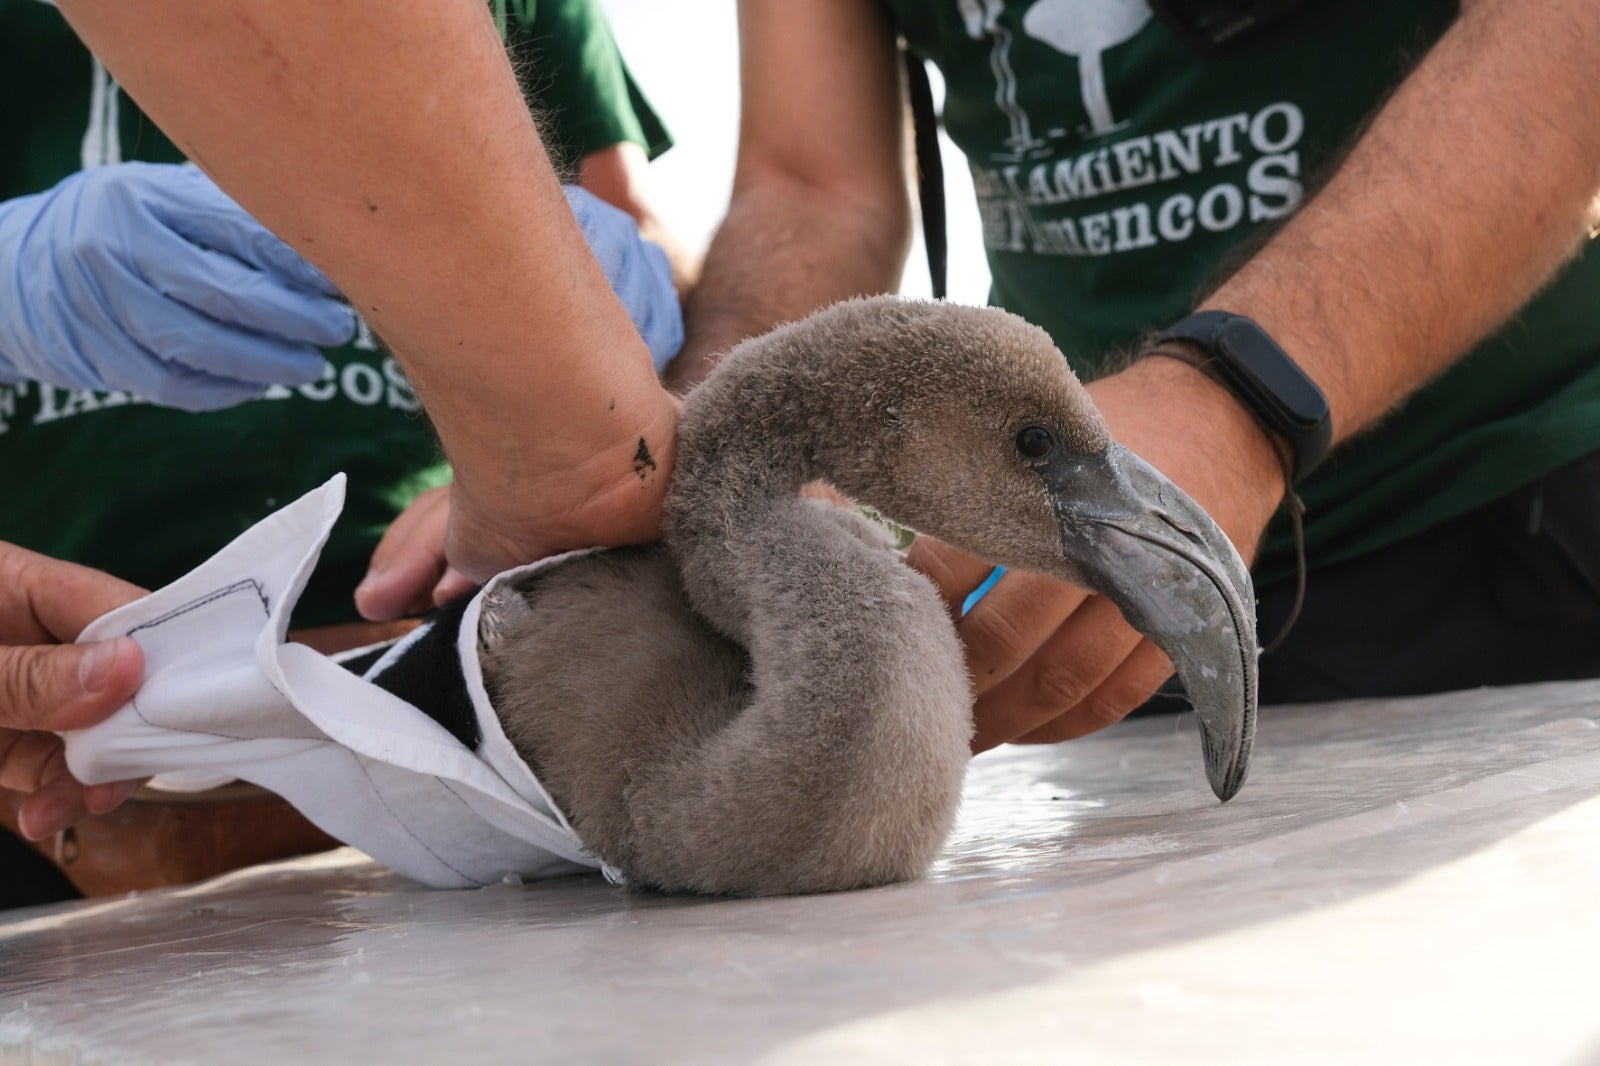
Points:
(1270, 375)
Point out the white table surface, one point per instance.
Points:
(1401, 881)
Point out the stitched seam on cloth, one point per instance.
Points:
(208, 598)
(361, 762)
(178, 612)
(446, 786)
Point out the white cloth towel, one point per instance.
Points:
(224, 696)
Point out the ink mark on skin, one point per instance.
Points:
(642, 462)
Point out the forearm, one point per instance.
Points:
(781, 252)
(1471, 187)
(396, 153)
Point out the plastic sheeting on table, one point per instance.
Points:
(1400, 881)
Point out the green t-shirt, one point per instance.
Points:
(147, 492)
(1118, 173)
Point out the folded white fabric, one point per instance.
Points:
(224, 696)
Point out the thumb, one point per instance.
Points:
(453, 584)
(67, 686)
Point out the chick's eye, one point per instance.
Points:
(1034, 442)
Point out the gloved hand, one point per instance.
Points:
(148, 278)
(637, 269)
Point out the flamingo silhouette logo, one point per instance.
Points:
(1085, 29)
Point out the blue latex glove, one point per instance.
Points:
(637, 269)
(148, 278)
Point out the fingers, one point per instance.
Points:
(179, 304)
(1009, 626)
(44, 600)
(1065, 670)
(258, 334)
(637, 269)
(103, 799)
(230, 292)
(1135, 680)
(1049, 661)
(66, 686)
(954, 572)
(63, 802)
(453, 584)
(233, 286)
(33, 767)
(409, 562)
(53, 800)
(44, 793)
(194, 207)
(47, 686)
(174, 385)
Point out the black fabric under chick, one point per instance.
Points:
(428, 675)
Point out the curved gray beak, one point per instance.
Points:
(1141, 542)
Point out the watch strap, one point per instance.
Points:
(1245, 359)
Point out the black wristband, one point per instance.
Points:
(1250, 364)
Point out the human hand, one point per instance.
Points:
(1050, 661)
(47, 685)
(416, 565)
(637, 269)
(450, 539)
(409, 573)
(148, 278)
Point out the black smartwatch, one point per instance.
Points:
(1251, 365)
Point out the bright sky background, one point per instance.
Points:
(685, 55)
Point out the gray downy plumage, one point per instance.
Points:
(772, 701)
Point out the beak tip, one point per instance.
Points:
(1227, 758)
(1227, 786)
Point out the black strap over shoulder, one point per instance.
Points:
(930, 170)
